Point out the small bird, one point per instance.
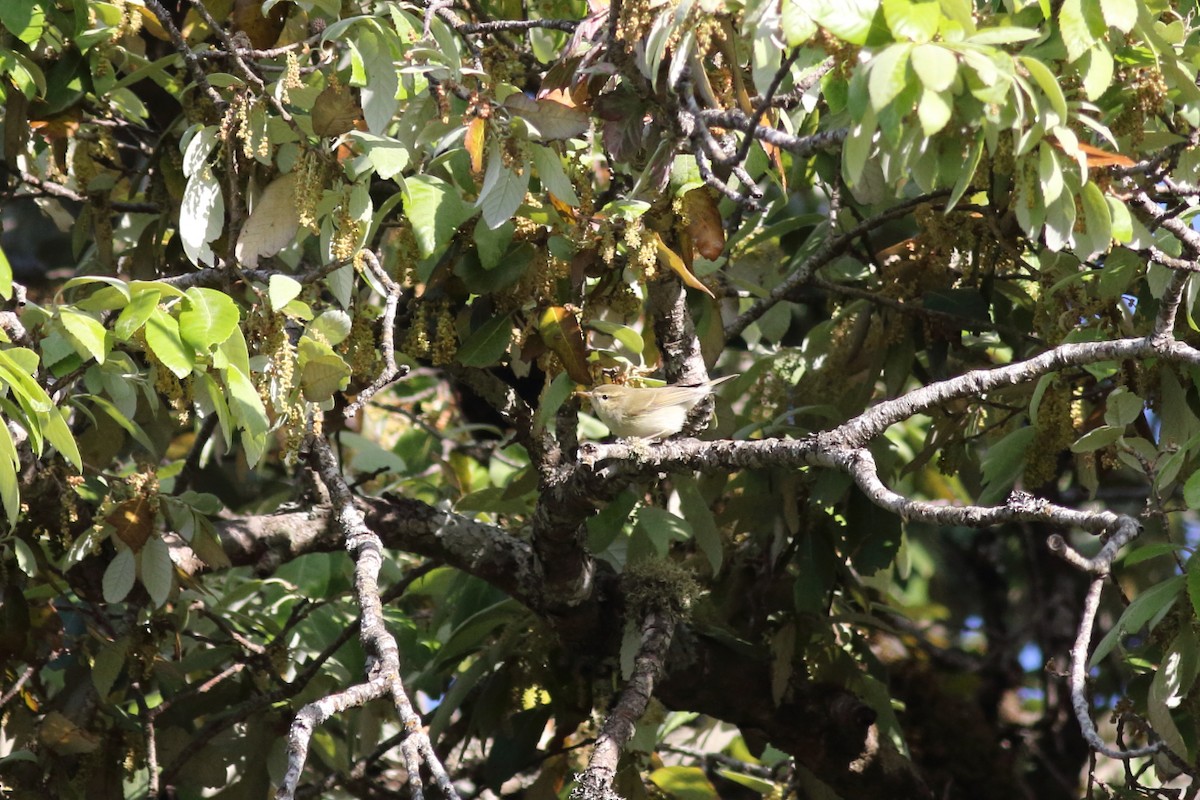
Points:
(652, 412)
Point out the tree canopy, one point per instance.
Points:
(299, 494)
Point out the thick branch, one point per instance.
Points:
(596, 781)
(485, 551)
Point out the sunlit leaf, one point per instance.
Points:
(273, 223)
(672, 260)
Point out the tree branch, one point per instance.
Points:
(596, 781)
(366, 549)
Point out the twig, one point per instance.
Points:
(191, 465)
(383, 651)
(17, 685)
(189, 57)
(829, 249)
(53, 189)
(388, 343)
(505, 25)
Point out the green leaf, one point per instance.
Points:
(1049, 174)
(552, 175)
(935, 65)
(1006, 35)
(488, 343)
(1049, 84)
(1096, 68)
(119, 576)
(1170, 686)
(857, 148)
(491, 245)
(58, 433)
(333, 325)
(135, 314)
(201, 216)
(684, 783)
(86, 332)
(1149, 551)
(208, 318)
(934, 111)
(1077, 21)
(1149, 604)
(1097, 219)
(6, 276)
(1097, 438)
(970, 164)
(23, 18)
(215, 404)
(157, 569)
(164, 340)
(662, 527)
(888, 75)
(858, 22)
(1121, 268)
(704, 526)
(1191, 491)
(282, 290)
(917, 20)
(322, 371)
(17, 367)
(248, 412)
(129, 426)
(109, 662)
(10, 494)
(503, 190)
(622, 333)
(435, 211)
(388, 157)
(382, 82)
(1123, 407)
(764, 787)
(797, 26)
(1004, 463)
(1120, 14)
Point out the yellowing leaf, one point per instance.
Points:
(474, 143)
(671, 259)
(133, 521)
(560, 331)
(272, 224)
(684, 783)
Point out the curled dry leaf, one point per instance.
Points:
(133, 521)
(272, 224)
(704, 223)
(335, 111)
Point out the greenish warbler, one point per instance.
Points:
(652, 412)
